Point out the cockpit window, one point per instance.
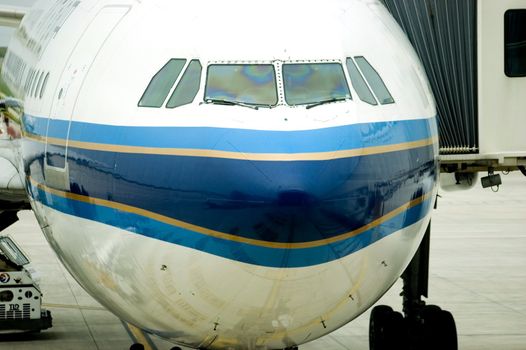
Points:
(375, 81)
(314, 83)
(249, 84)
(162, 83)
(187, 87)
(359, 84)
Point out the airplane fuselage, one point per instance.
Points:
(220, 215)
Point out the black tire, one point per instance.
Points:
(400, 335)
(137, 346)
(449, 331)
(386, 329)
(440, 332)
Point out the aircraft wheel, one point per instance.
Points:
(440, 331)
(137, 346)
(386, 329)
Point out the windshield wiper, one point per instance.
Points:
(230, 103)
(323, 102)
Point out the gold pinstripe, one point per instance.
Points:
(236, 155)
(139, 335)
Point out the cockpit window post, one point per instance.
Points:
(279, 82)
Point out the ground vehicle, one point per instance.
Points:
(20, 296)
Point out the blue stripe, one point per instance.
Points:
(270, 201)
(256, 255)
(239, 140)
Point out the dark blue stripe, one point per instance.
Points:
(271, 257)
(270, 201)
(239, 140)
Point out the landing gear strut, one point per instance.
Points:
(422, 327)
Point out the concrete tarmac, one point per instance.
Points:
(477, 271)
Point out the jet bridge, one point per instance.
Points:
(474, 53)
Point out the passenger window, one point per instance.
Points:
(515, 43)
(188, 86)
(359, 84)
(161, 83)
(39, 85)
(375, 82)
(42, 90)
(32, 82)
(35, 84)
(28, 81)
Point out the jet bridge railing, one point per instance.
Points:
(444, 34)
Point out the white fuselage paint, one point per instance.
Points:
(253, 306)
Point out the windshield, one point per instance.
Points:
(253, 84)
(312, 83)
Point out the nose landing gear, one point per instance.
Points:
(422, 327)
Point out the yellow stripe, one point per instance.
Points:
(226, 236)
(236, 155)
(139, 336)
(80, 307)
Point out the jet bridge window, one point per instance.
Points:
(161, 84)
(515, 43)
(187, 87)
(314, 83)
(245, 84)
(375, 81)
